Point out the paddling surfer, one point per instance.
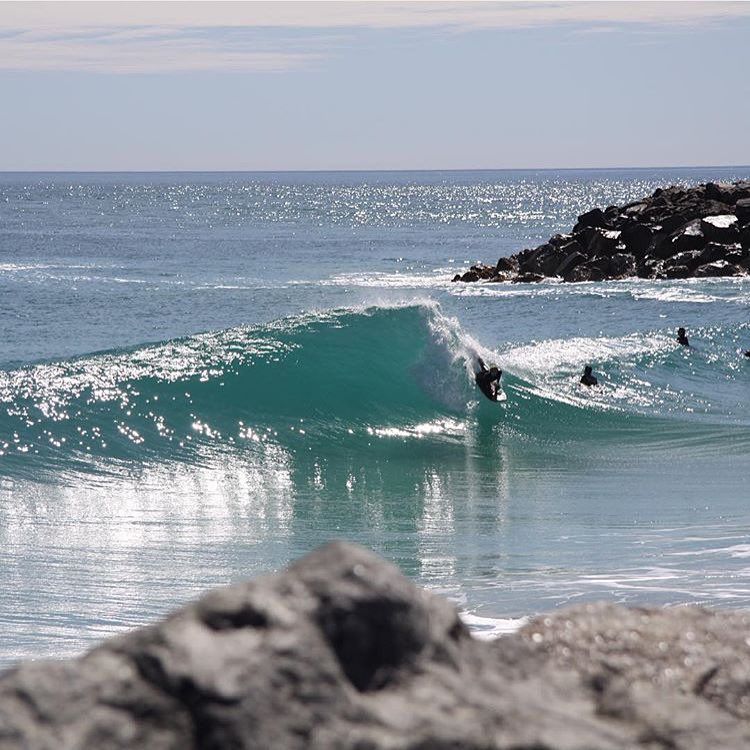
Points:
(588, 378)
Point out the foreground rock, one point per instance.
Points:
(341, 651)
(675, 233)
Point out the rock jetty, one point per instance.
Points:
(341, 652)
(676, 233)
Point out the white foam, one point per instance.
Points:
(490, 628)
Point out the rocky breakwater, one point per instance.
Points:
(341, 651)
(675, 233)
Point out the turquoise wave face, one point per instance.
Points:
(344, 378)
(325, 375)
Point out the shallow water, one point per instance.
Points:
(205, 376)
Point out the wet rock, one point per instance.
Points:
(477, 273)
(528, 278)
(593, 270)
(650, 268)
(620, 265)
(677, 272)
(717, 268)
(691, 259)
(739, 257)
(716, 251)
(500, 277)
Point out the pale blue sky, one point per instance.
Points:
(112, 86)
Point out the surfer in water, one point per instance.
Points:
(588, 378)
(488, 380)
(682, 337)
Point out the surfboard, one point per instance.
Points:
(501, 396)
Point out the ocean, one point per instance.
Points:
(205, 376)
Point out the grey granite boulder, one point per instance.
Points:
(340, 651)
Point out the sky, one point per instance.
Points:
(137, 86)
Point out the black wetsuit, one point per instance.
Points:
(683, 339)
(487, 382)
(589, 379)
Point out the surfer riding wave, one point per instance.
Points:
(488, 380)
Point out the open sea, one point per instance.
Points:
(204, 376)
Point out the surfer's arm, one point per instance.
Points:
(481, 364)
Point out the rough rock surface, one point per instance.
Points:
(341, 651)
(642, 239)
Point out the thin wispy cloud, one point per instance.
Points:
(127, 37)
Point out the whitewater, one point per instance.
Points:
(204, 376)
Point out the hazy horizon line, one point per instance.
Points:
(383, 171)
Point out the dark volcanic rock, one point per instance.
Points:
(691, 259)
(604, 242)
(528, 278)
(716, 251)
(740, 256)
(637, 238)
(341, 652)
(742, 211)
(498, 277)
(690, 237)
(569, 263)
(651, 232)
(475, 273)
(722, 228)
(717, 268)
(507, 264)
(728, 193)
(677, 272)
(593, 270)
(621, 265)
(593, 218)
